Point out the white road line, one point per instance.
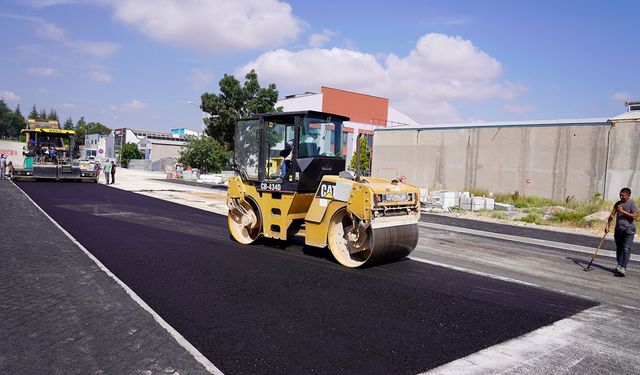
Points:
(175, 334)
(528, 240)
(479, 273)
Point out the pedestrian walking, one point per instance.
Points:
(113, 172)
(96, 169)
(106, 168)
(3, 166)
(626, 212)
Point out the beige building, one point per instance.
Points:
(159, 148)
(553, 159)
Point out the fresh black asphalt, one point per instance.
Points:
(286, 308)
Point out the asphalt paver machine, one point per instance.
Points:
(291, 182)
(48, 153)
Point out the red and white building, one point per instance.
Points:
(367, 112)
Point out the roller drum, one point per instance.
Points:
(382, 243)
(392, 242)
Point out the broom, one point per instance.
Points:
(601, 242)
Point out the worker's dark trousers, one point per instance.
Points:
(113, 178)
(624, 241)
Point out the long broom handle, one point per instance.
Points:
(596, 253)
(601, 241)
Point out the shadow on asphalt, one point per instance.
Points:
(584, 263)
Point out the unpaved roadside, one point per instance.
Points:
(151, 184)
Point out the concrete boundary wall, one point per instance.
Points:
(547, 161)
(13, 151)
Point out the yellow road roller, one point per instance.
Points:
(291, 182)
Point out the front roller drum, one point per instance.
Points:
(244, 222)
(378, 245)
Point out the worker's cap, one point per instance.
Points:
(313, 131)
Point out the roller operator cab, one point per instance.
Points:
(291, 181)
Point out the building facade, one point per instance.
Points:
(156, 146)
(98, 146)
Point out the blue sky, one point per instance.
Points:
(137, 63)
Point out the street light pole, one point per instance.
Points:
(202, 113)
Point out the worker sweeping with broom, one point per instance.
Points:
(626, 212)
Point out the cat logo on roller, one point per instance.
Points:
(327, 190)
(363, 220)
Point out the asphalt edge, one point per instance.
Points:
(175, 334)
(527, 240)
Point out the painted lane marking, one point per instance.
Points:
(175, 334)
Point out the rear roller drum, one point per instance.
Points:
(354, 247)
(244, 222)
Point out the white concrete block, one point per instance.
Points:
(504, 207)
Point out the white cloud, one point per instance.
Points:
(519, 109)
(200, 79)
(68, 105)
(100, 76)
(212, 25)
(133, 105)
(97, 49)
(42, 91)
(621, 97)
(320, 39)
(50, 31)
(48, 3)
(9, 96)
(43, 72)
(439, 70)
(451, 21)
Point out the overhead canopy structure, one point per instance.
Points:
(49, 131)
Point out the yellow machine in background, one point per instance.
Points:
(361, 220)
(48, 153)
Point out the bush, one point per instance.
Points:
(533, 217)
(528, 201)
(129, 151)
(206, 154)
(478, 192)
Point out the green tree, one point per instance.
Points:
(234, 102)
(42, 115)
(34, 112)
(6, 116)
(365, 158)
(10, 122)
(81, 122)
(68, 124)
(17, 123)
(18, 111)
(84, 128)
(53, 115)
(205, 153)
(129, 151)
